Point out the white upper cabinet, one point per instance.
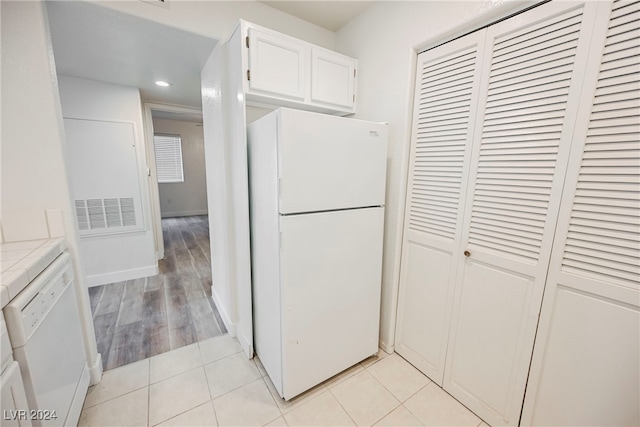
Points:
(277, 65)
(332, 78)
(284, 71)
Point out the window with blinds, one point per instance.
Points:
(168, 149)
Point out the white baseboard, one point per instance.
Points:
(231, 327)
(184, 213)
(387, 348)
(246, 344)
(120, 276)
(95, 371)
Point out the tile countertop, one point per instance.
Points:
(22, 261)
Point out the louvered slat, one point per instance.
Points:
(603, 241)
(127, 208)
(82, 214)
(442, 127)
(96, 214)
(527, 93)
(593, 240)
(112, 213)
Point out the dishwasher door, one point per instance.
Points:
(48, 343)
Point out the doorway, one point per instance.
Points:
(137, 319)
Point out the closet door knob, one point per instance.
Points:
(467, 253)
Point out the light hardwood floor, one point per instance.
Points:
(144, 317)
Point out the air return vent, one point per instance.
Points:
(105, 176)
(103, 214)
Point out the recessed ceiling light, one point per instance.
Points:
(163, 83)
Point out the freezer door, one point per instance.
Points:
(328, 162)
(331, 273)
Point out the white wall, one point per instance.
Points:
(384, 38)
(217, 159)
(188, 197)
(115, 257)
(34, 177)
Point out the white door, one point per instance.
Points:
(328, 162)
(446, 99)
(332, 78)
(330, 279)
(277, 64)
(586, 365)
(529, 96)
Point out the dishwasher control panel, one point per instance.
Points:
(32, 305)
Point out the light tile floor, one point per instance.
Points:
(211, 383)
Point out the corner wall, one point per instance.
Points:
(113, 257)
(34, 177)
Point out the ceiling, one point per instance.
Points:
(331, 15)
(99, 43)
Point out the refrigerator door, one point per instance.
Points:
(330, 268)
(327, 162)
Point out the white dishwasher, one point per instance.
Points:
(44, 329)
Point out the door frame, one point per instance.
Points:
(154, 192)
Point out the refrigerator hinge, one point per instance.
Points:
(247, 41)
(248, 74)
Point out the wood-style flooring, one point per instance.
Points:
(140, 318)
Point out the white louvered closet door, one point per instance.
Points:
(586, 365)
(445, 105)
(529, 95)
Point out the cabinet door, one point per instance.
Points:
(529, 97)
(332, 78)
(277, 65)
(447, 89)
(586, 363)
(14, 401)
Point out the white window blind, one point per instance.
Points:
(168, 150)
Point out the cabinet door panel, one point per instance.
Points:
(492, 318)
(277, 65)
(332, 78)
(447, 91)
(532, 71)
(13, 397)
(425, 271)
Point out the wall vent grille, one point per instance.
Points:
(105, 214)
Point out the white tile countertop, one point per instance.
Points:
(22, 261)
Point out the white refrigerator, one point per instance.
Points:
(317, 190)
